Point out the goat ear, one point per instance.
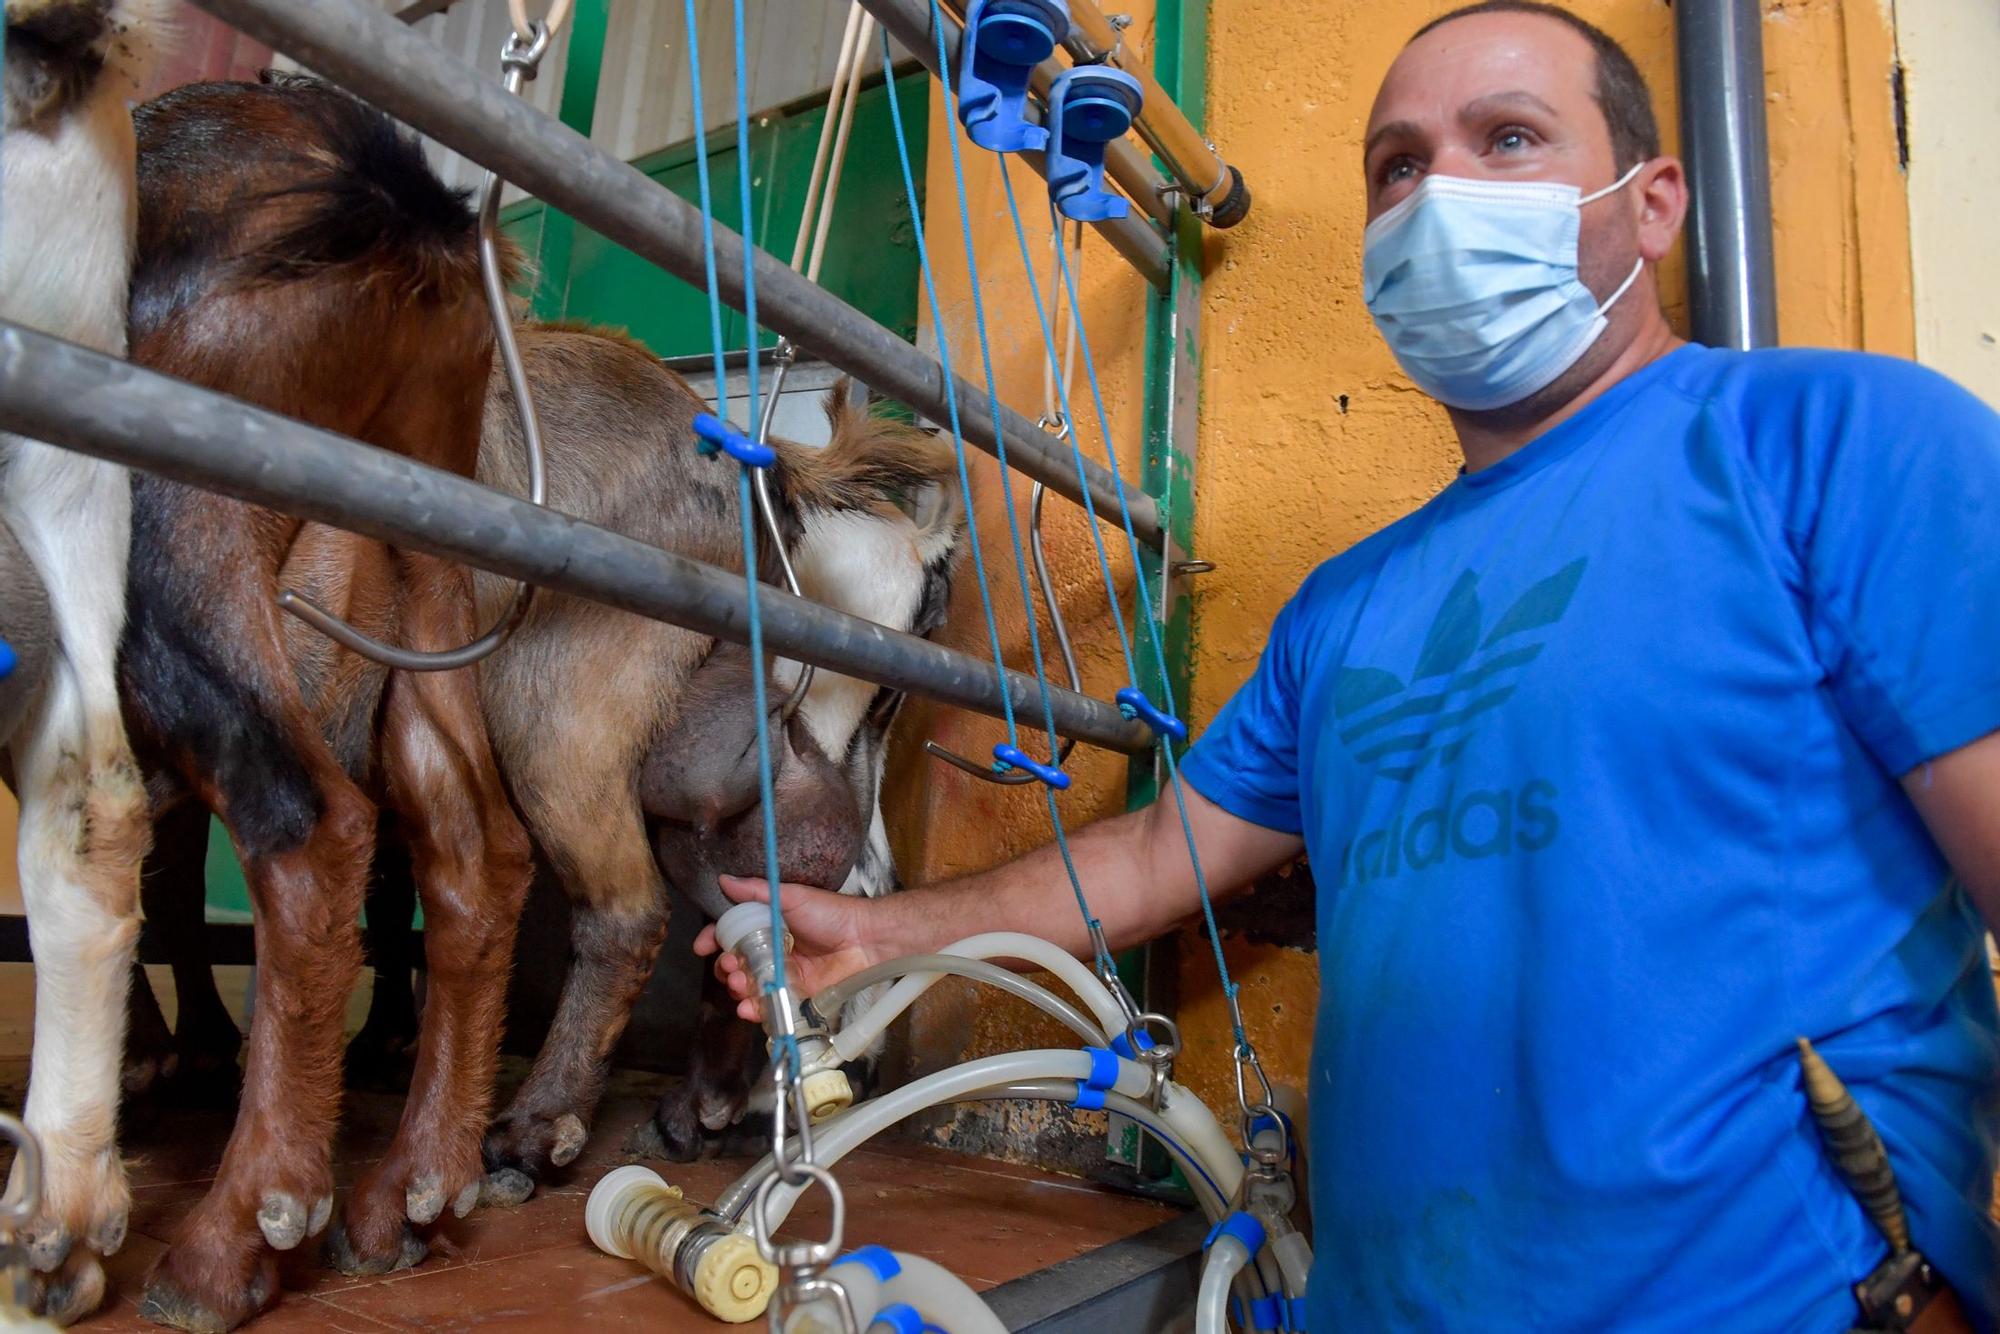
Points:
(936, 509)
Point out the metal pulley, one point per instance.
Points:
(1005, 40)
(1089, 108)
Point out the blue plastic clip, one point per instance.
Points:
(1132, 702)
(1007, 757)
(9, 660)
(1282, 1122)
(877, 1260)
(717, 434)
(1088, 108)
(1295, 1307)
(1004, 40)
(1103, 1074)
(902, 1318)
(1122, 1045)
(1267, 1313)
(1244, 1227)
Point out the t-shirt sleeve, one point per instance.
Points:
(1247, 762)
(1888, 485)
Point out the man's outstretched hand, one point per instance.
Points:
(828, 939)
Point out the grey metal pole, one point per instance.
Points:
(67, 395)
(405, 74)
(1732, 296)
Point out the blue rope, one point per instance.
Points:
(745, 500)
(950, 396)
(1230, 989)
(1000, 445)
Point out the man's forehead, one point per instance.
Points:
(1489, 56)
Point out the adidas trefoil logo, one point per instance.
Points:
(1463, 672)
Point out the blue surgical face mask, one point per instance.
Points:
(1474, 286)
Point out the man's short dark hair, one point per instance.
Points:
(1621, 90)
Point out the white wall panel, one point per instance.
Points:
(642, 97)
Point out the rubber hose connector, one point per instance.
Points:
(826, 1092)
(1235, 205)
(732, 1282)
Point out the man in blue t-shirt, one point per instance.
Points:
(1664, 736)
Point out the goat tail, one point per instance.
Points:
(868, 462)
(371, 202)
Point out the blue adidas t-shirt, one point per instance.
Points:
(1596, 758)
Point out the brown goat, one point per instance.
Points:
(295, 250)
(626, 743)
(654, 781)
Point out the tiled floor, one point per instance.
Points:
(533, 1268)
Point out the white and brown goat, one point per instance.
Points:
(66, 234)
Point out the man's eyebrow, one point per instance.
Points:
(1481, 107)
(1401, 129)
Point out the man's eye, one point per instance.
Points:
(1512, 140)
(1398, 169)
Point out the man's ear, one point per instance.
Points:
(1663, 202)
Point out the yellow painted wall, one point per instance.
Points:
(1286, 477)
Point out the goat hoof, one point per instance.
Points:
(569, 1139)
(678, 1131)
(423, 1199)
(71, 1293)
(506, 1187)
(48, 1245)
(109, 1233)
(467, 1199)
(167, 1303)
(322, 1212)
(342, 1255)
(282, 1219)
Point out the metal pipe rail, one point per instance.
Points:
(404, 73)
(1732, 288)
(909, 22)
(70, 396)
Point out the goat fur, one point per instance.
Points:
(67, 187)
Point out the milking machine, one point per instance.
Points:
(1255, 1252)
(727, 1255)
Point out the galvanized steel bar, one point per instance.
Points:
(405, 74)
(1732, 287)
(67, 395)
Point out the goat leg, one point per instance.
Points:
(471, 861)
(382, 1054)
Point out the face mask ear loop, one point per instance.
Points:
(1613, 188)
(1624, 287)
(1637, 265)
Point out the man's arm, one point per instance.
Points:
(1958, 794)
(1135, 870)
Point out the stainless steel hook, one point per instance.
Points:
(518, 62)
(1014, 777)
(767, 509)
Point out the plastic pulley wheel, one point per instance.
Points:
(732, 1282)
(1100, 104)
(826, 1092)
(1021, 32)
